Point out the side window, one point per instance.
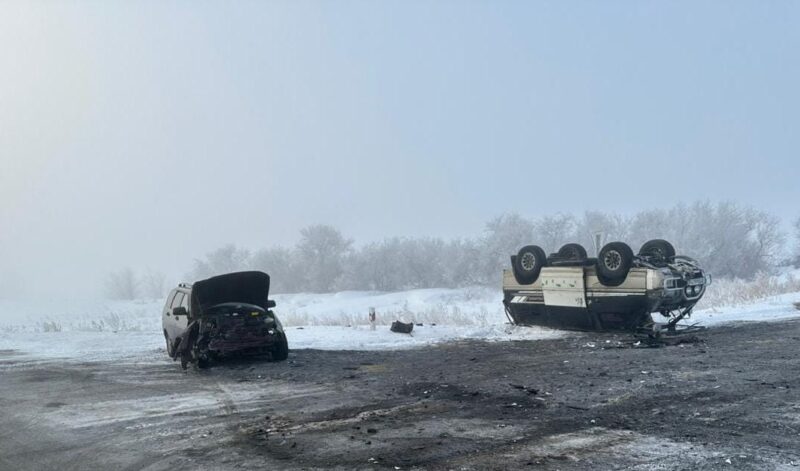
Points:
(177, 301)
(170, 298)
(185, 302)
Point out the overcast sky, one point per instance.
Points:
(148, 133)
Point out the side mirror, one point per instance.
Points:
(179, 311)
(270, 304)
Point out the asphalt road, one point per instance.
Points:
(592, 401)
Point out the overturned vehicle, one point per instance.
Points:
(224, 316)
(615, 291)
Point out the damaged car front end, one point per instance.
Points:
(228, 315)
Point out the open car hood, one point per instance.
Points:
(247, 287)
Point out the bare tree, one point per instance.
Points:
(223, 260)
(613, 226)
(504, 235)
(551, 232)
(283, 267)
(768, 237)
(322, 250)
(122, 285)
(153, 284)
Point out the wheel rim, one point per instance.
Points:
(528, 261)
(612, 260)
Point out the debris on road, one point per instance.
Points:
(527, 389)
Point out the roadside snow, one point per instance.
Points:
(131, 331)
(134, 347)
(770, 309)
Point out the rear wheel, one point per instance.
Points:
(658, 248)
(572, 252)
(614, 262)
(529, 263)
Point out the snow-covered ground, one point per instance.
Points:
(131, 331)
(772, 308)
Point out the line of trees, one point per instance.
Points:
(126, 284)
(730, 240)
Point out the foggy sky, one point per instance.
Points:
(145, 134)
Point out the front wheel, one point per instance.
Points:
(170, 348)
(281, 351)
(658, 248)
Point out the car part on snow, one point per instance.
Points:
(402, 327)
(528, 263)
(613, 263)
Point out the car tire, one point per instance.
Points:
(658, 248)
(281, 351)
(572, 252)
(529, 263)
(613, 263)
(170, 348)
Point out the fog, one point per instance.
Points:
(148, 134)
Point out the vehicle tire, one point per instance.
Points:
(529, 263)
(203, 363)
(614, 262)
(572, 252)
(170, 349)
(658, 248)
(281, 351)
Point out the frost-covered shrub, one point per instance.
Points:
(51, 326)
(733, 292)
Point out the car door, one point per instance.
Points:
(181, 321)
(166, 316)
(176, 324)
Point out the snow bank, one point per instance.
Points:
(772, 308)
(131, 331)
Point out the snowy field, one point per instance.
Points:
(131, 331)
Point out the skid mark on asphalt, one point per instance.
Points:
(183, 405)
